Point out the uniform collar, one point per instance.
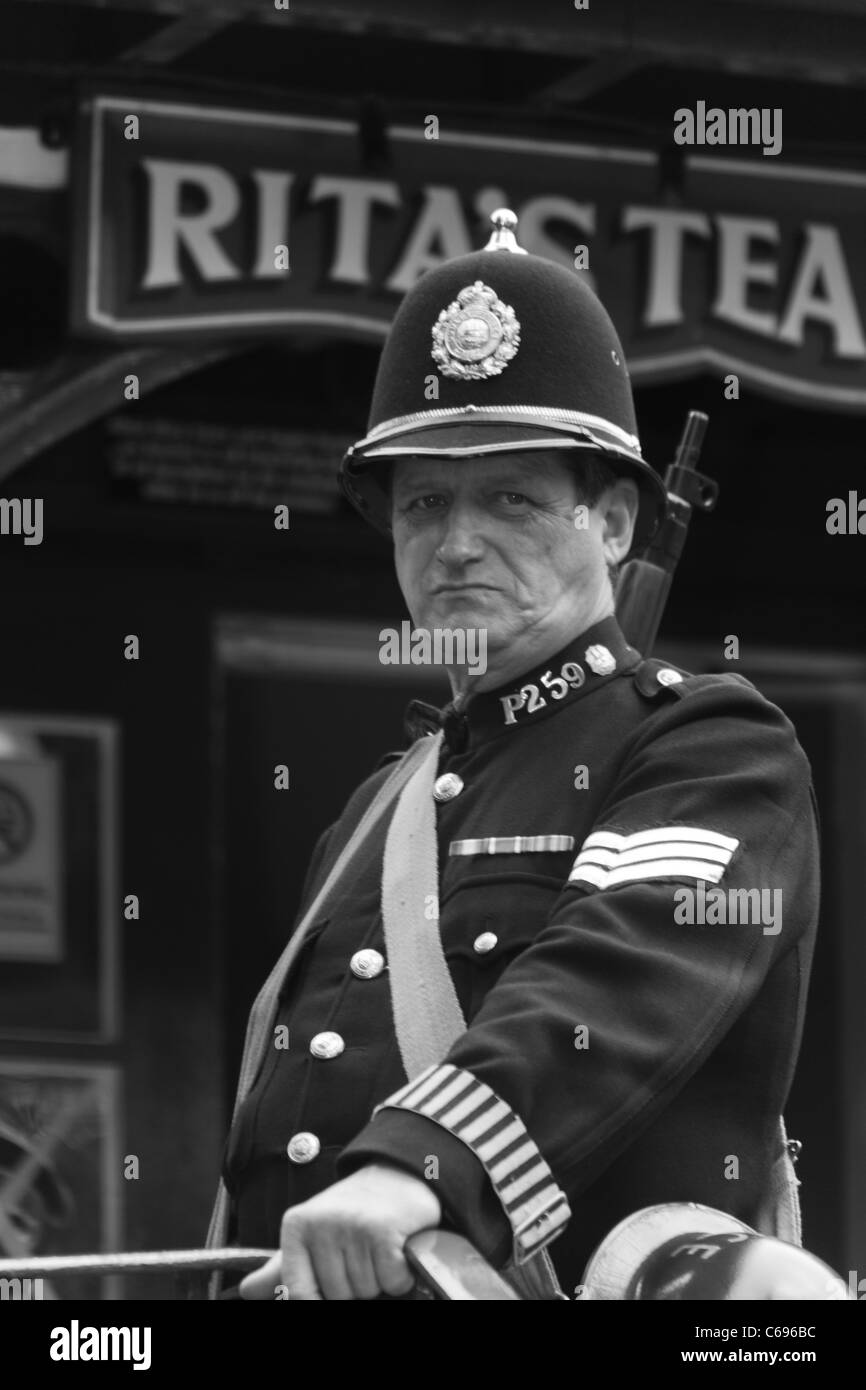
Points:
(597, 656)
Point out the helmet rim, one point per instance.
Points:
(361, 468)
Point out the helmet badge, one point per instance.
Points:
(476, 336)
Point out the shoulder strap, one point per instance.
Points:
(427, 1013)
(779, 1215)
(265, 1006)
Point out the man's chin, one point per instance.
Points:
(464, 608)
(468, 618)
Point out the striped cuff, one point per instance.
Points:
(536, 1208)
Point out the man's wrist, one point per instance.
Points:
(446, 1166)
(383, 1170)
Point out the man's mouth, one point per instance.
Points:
(461, 588)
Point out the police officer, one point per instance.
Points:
(623, 854)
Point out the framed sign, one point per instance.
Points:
(58, 903)
(219, 221)
(60, 1167)
(30, 860)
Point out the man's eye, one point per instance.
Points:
(427, 502)
(514, 499)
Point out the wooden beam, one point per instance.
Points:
(785, 43)
(181, 35)
(593, 77)
(765, 37)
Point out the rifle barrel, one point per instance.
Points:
(645, 580)
(135, 1262)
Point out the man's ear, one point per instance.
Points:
(619, 507)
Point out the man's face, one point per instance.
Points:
(492, 543)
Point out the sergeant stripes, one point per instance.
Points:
(607, 860)
(455, 1099)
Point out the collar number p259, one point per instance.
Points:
(529, 697)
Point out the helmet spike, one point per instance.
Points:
(502, 237)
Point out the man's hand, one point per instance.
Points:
(347, 1242)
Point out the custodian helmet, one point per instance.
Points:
(523, 355)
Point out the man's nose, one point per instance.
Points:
(461, 540)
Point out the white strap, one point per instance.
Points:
(779, 1215)
(266, 1003)
(427, 1013)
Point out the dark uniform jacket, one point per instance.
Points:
(628, 902)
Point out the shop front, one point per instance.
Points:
(202, 607)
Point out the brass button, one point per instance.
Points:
(367, 964)
(485, 942)
(327, 1045)
(303, 1147)
(446, 787)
